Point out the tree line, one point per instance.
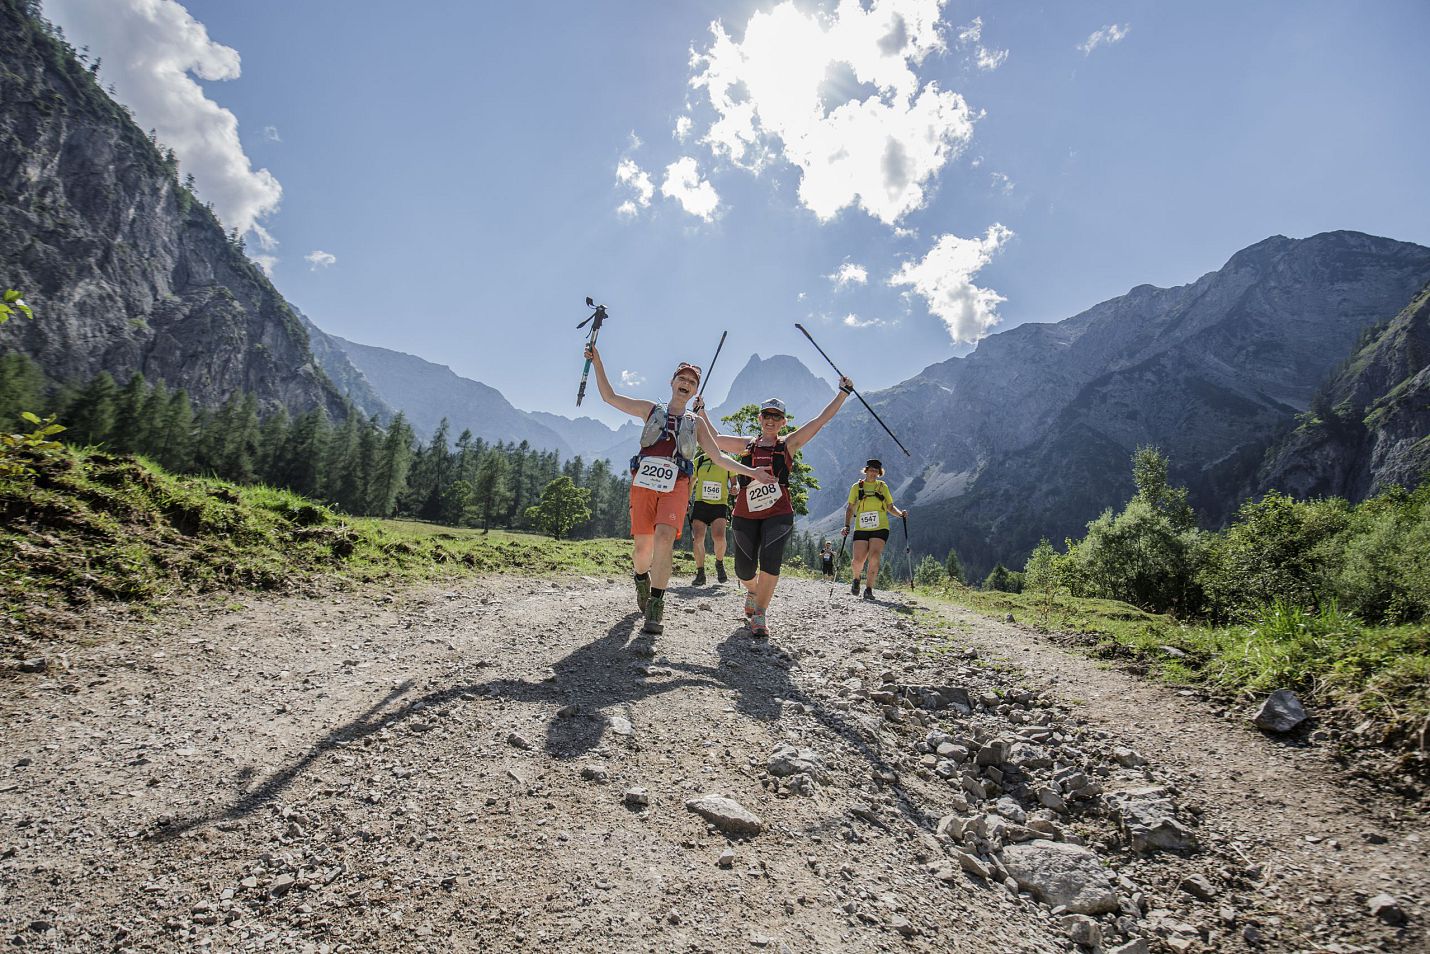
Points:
(362, 466)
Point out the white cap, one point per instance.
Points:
(773, 404)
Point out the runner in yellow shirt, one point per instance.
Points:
(870, 503)
(710, 508)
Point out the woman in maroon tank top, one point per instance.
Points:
(764, 515)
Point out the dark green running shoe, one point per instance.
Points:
(699, 577)
(720, 571)
(654, 610)
(642, 592)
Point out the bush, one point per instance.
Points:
(1140, 556)
(1003, 580)
(1270, 553)
(930, 572)
(1378, 565)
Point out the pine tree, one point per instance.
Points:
(22, 388)
(954, 566)
(240, 445)
(491, 493)
(303, 453)
(176, 444)
(129, 434)
(90, 416)
(272, 439)
(391, 475)
(341, 467)
(156, 404)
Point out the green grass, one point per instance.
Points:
(1380, 672)
(92, 527)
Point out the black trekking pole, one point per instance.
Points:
(838, 560)
(598, 318)
(705, 379)
(908, 552)
(856, 392)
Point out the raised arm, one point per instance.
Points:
(808, 429)
(729, 443)
(632, 406)
(709, 442)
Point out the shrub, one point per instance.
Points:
(930, 572)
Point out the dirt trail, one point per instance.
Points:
(448, 769)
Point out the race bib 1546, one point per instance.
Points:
(656, 473)
(760, 497)
(710, 490)
(869, 520)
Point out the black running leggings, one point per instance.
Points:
(760, 544)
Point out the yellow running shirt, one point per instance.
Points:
(711, 483)
(871, 510)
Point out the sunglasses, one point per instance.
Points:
(775, 415)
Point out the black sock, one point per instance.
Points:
(642, 577)
(656, 593)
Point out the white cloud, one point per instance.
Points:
(270, 133)
(1002, 183)
(634, 142)
(683, 184)
(631, 379)
(854, 321)
(839, 98)
(944, 279)
(972, 36)
(317, 259)
(683, 125)
(265, 262)
(849, 274)
(150, 49)
(1108, 35)
(631, 175)
(801, 296)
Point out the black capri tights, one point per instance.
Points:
(760, 544)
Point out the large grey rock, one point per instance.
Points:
(1281, 712)
(1149, 819)
(726, 814)
(1061, 874)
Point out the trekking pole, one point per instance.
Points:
(598, 318)
(838, 560)
(908, 553)
(706, 378)
(856, 392)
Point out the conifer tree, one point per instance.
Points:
(491, 493)
(272, 439)
(394, 461)
(130, 428)
(22, 387)
(90, 415)
(176, 445)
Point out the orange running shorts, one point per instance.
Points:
(649, 509)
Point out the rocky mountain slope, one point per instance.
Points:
(1031, 434)
(782, 376)
(1370, 426)
(127, 271)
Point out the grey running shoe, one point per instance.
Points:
(654, 610)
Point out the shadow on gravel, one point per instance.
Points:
(608, 672)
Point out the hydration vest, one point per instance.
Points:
(657, 428)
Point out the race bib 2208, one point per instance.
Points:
(759, 497)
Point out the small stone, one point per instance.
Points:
(726, 859)
(1083, 930)
(972, 864)
(1281, 712)
(1127, 758)
(902, 925)
(282, 884)
(1199, 887)
(1387, 909)
(621, 725)
(788, 760)
(1135, 946)
(250, 882)
(34, 664)
(636, 797)
(595, 773)
(568, 711)
(726, 814)
(518, 740)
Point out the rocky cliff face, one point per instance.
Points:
(126, 271)
(1369, 427)
(1031, 434)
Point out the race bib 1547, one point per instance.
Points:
(656, 473)
(869, 520)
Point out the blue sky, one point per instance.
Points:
(457, 164)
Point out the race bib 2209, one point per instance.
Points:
(656, 473)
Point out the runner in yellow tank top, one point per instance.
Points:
(870, 503)
(709, 508)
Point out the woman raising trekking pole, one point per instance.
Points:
(764, 516)
(660, 478)
(870, 502)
